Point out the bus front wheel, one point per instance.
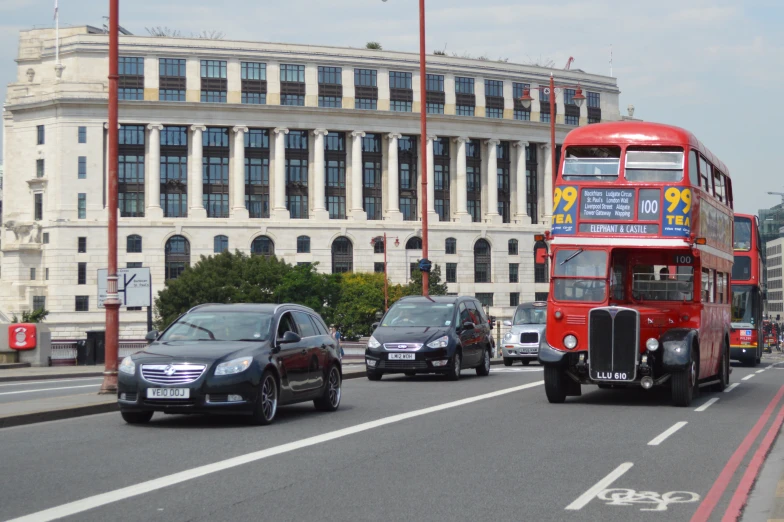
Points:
(685, 381)
(555, 384)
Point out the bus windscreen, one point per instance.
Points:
(741, 268)
(742, 239)
(592, 163)
(654, 164)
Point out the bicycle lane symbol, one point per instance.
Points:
(654, 501)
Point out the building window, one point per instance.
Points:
(378, 268)
(220, 244)
(303, 245)
(335, 168)
(371, 176)
(465, 100)
(46, 238)
(544, 104)
(541, 274)
(131, 171)
(401, 95)
(378, 245)
(342, 256)
(485, 299)
(541, 296)
(41, 135)
(571, 119)
(513, 247)
(520, 112)
(330, 87)
(82, 132)
(297, 174)
(257, 181)
(81, 274)
(494, 98)
(39, 168)
(172, 79)
(365, 89)
(262, 246)
(215, 172)
(407, 172)
(451, 272)
(435, 96)
(514, 298)
(414, 243)
(131, 81)
(413, 268)
(474, 179)
(46, 274)
(503, 167)
(482, 259)
(38, 206)
(514, 273)
(450, 246)
(39, 302)
(82, 172)
(32, 274)
(82, 205)
(292, 84)
(254, 83)
(174, 171)
(133, 244)
(441, 178)
(81, 245)
(532, 191)
(82, 303)
(177, 256)
(213, 81)
(594, 107)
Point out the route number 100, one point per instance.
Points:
(682, 260)
(650, 206)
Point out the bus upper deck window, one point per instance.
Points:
(591, 163)
(654, 164)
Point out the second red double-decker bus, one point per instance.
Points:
(641, 256)
(746, 338)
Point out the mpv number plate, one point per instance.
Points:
(402, 356)
(168, 393)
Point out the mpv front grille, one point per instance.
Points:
(172, 373)
(402, 365)
(402, 346)
(529, 338)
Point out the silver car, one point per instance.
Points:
(522, 341)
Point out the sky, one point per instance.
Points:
(713, 67)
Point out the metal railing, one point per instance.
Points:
(64, 352)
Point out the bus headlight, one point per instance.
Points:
(570, 342)
(652, 344)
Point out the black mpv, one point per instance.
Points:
(233, 358)
(442, 334)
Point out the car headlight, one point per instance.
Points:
(373, 342)
(652, 344)
(234, 366)
(508, 337)
(127, 366)
(570, 342)
(441, 342)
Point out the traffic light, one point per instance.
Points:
(491, 320)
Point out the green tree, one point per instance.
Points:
(435, 286)
(36, 316)
(373, 45)
(361, 296)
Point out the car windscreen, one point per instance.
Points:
(530, 316)
(220, 326)
(420, 314)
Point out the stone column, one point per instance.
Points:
(279, 210)
(154, 210)
(431, 182)
(238, 209)
(492, 215)
(357, 211)
(462, 215)
(522, 184)
(547, 212)
(319, 177)
(393, 180)
(196, 183)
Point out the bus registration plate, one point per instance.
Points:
(609, 376)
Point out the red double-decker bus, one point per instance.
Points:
(746, 338)
(641, 256)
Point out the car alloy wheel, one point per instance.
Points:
(269, 398)
(334, 388)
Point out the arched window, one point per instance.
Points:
(178, 256)
(342, 255)
(221, 244)
(133, 244)
(540, 263)
(378, 245)
(450, 245)
(415, 243)
(513, 247)
(482, 261)
(303, 245)
(262, 246)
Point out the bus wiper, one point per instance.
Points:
(571, 257)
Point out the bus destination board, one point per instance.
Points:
(613, 204)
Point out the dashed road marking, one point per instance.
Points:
(50, 389)
(707, 404)
(731, 387)
(672, 429)
(749, 376)
(760, 371)
(600, 486)
(28, 383)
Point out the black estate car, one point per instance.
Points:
(430, 335)
(233, 358)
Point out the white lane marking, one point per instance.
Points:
(23, 383)
(707, 404)
(50, 389)
(80, 506)
(661, 438)
(749, 376)
(760, 371)
(600, 486)
(731, 387)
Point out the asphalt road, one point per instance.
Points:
(483, 448)
(30, 390)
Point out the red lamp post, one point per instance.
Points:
(578, 99)
(386, 279)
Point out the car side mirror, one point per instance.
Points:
(151, 336)
(507, 323)
(375, 325)
(468, 325)
(290, 338)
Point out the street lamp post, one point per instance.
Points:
(386, 277)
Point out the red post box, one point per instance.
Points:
(21, 336)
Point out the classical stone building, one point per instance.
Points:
(304, 152)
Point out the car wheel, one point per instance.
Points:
(507, 361)
(136, 417)
(453, 373)
(267, 402)
(526, 362)
(330, 401)
(724, 371)
(684, 382)
(555, 384)
(483, 369)
(374, 375)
